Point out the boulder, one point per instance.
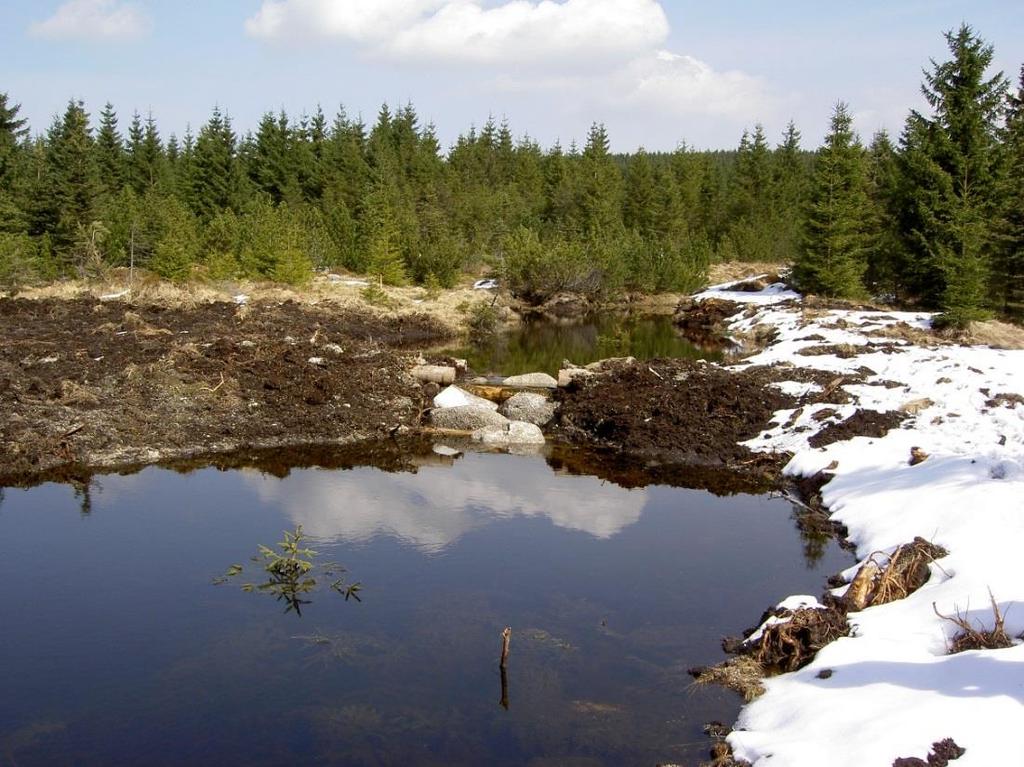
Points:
(466, 418)
(529, 407)
(611, 363)
(567, 375)
(512, 433)
(534, 380)
(453, 396)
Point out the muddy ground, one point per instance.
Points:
(86, 383)
(678, 412)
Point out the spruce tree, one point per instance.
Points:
(600, 186)
(832, 258)
(638, 207)
(110, 154)
(750, 206)
(72, 175)
(12, 131)
(268, 162)
(1008, 271)
(213, 167)
(788, 193)
(886, 255)
(381, 233)
(177, 249)
(951, 160)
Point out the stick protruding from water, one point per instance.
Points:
(506, 638)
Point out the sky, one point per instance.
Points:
(656, 73)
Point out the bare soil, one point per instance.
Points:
(101, 384)
(675, 412)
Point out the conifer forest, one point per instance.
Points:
(932, 217)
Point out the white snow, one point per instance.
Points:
(776, 293)
(453, 396)
(894, 690)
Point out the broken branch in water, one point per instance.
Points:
(506, 638)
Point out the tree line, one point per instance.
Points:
(935, 218)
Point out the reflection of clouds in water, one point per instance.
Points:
(435, 507)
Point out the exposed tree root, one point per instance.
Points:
(885, 578)
(977, 638)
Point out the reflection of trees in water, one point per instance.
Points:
(543, 345)
(83, 490)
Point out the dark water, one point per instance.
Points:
(542, 345)
(116, 649)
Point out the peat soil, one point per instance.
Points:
(673, 412)
(86, 384)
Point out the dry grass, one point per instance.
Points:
(730, 271)
(998, 335)
(742, 674)
(448, 306)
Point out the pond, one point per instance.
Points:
(117, 647)
(542, 345)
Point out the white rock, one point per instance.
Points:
(446, 451)
(536, 380)
(512, 433)
(453, 396)
(528, 406)
(567, 375)
(466, 418)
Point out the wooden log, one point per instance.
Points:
(439, 374)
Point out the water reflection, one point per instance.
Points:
(543, 344)
(438, 505)
(609, 608)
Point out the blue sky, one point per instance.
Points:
(656, 73)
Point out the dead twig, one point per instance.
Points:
(207, 388)
(977, 638)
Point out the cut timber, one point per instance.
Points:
(438, 374)
(493, 392)
(862, 587)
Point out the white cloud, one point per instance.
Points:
(596, 59)
(466, 30)
(435, 507)
(686, 85)
(360, 21)
(658, 82)
(93, 21)
(521, 31)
